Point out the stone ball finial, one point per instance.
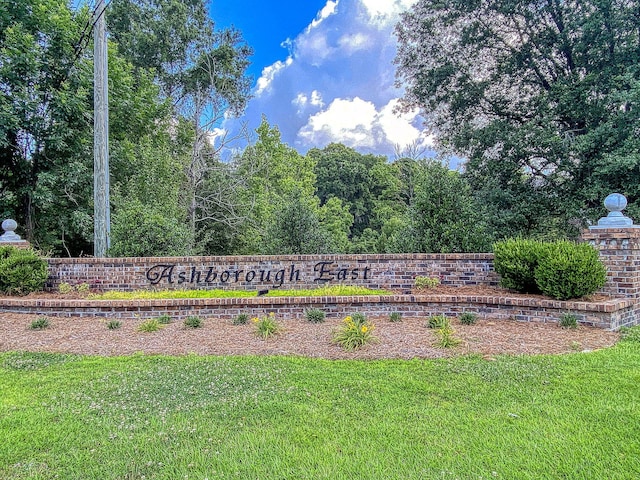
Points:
(9, 225)
(615, 203)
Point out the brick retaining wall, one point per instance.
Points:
(611, 314)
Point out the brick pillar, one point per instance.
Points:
(620, 252)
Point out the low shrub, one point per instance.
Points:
(569, 270)
(438, 321)
(39, 323)
(164, 319)
(355, 332)
(426, 282)
(64, 288)
(446, 338)
(240, 319)
(515, 260)
(152, 325)
(315, 315)
(114, 324)
(568, 320)
(82, 288)
(193, 322)
(22, 271)
(468, 318)
(266, 326)
(395, 317)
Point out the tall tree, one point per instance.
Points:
(541, 97)
(45, 94)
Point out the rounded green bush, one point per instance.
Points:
(515, 260)
(569, 270)
(21, 271)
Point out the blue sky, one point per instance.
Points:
(323, 71)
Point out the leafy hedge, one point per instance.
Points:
(22, 271)
(560, 269)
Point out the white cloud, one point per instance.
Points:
(358, 124)
(302, 101)
(269, 74)
(353, 42)
(328, 10)
(337, 85)
(386, 11)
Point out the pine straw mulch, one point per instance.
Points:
(409, 338)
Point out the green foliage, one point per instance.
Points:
(468, 318)
(240, 319)
(193, 321)
(438, 321)
(40, 323)
(296, 228)
(426, 282)
(82, 288)
(324, 291)
(516, 260)
(22, 271)
(266, 326)
(395, 317)
(315, 315)
(355, 332)
(443, 216)
(542, 152)
(142, 231)
(64, 288)
(568, 270)
(568, 320)
(164, 319)
(560, 269)
(114, 324)
(151, 325)
(446, 338)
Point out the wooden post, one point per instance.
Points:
(101, 211)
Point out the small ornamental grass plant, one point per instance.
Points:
(568, 320)
(468, 318)
(152, 325)
(240, 319)
(315, 315)
(165, 319)
(266, 326)
(438, 321)
(193, 322)
(39, 323)
(114, 325)
(355, 332)
(446, 338)
(395, 317)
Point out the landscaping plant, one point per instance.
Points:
(355, 332)
(266, 326)
(193, 321)
(315, 315)
(39, 323)
(240, 319)
(22, 271)
(468, 318)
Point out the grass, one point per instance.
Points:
(573, 416)
(325, 291)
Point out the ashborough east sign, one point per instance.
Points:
(322, 272)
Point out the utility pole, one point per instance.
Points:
(101, 211)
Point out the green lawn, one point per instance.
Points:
(545, 417)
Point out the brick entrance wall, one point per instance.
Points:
(394, 272)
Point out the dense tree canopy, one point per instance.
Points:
(541, 97)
